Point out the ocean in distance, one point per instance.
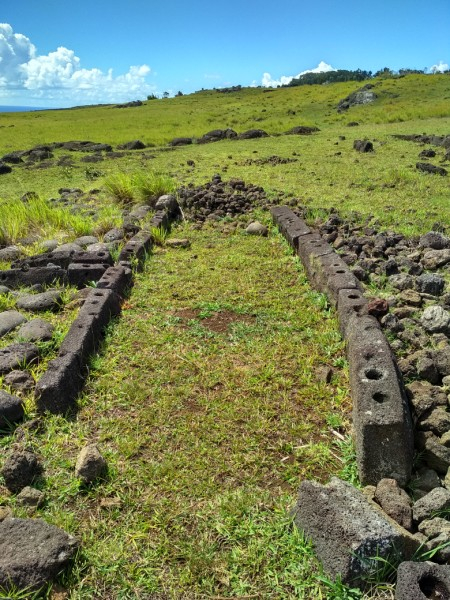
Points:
(20, 108)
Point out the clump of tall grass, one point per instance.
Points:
(19, 219)
(141, 186)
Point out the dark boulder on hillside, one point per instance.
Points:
(427, 168)
(427, 153)
(129, 104)
(181, 141)
(4, 168)
(302, 130)
(363, 146)
(362, 96)
(133, 145)
(13, 158)
(216, 135)
(38, 155)
(252, 134)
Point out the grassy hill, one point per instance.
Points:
(211, 397)
(326, 172)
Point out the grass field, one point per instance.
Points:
(207, 397)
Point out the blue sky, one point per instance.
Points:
(60, 53)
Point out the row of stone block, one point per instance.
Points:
(381, 418)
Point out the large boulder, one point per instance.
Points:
(350, 533)
(32, 553)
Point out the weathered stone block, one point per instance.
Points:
(421, 580)
(381, 417)
(81, 274)
(350, 303)
(289, 224)
(14, 278)
(347, 530)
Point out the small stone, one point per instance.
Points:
(10, 253)
(257, 228)
(430, 283)
(50, 300)
(49, 245)
(21, 381)
(114, 235)
(90, 464)
(4, 290)
(426, 480)
(11, 409)
(86, 240)
(435, 501)
(378, 307)
(70, 247)
(402, 281)
(435, 319)
(434, 240)
(20, 469)
(30, 496)
(5, 513)
(433, 527)
(410, 297)
(9, 320)
(178, 243)
(395, 502)
(434, 259)
(15, 355)
(438, 421)
(36, 330)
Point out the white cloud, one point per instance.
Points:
(267, 80)
(59, 76)
(440, 68)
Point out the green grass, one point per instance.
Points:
(147, 187)
(207, 432)
(205, 398)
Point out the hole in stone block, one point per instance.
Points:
(340, 271)
(98, 294)
(368, 354)
(379, 397)
(432, 587)
(353, 297)
(94, 301)
(373, 374)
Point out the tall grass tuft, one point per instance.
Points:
(140, 186)
(18, 219)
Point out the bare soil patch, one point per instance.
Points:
(218, 322)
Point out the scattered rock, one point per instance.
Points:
(378, 307)
(178, 243)
(15, 356)
(9, 320)
(429, 168)
(20, 469)
(90, 464)
(435, 319)
(10, 253)
(114, 235)
(363, 146)
(30, 496)
(251, 134)
(395, 502)
(434, 240)
(11, 409)
(50, 300)
(21, 381)
(86, 240)
(435, 259)
(133, 145)
(36, 330)
(361, 96)
(435, 501)
(257, 228)
(32, 553)
(430, 283)
(4, 168)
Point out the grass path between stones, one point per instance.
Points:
(209, 405)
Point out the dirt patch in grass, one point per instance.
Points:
(218, 322)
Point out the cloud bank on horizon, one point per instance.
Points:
(59, 76)
(267, 80)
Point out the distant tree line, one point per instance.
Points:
(347, 75)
